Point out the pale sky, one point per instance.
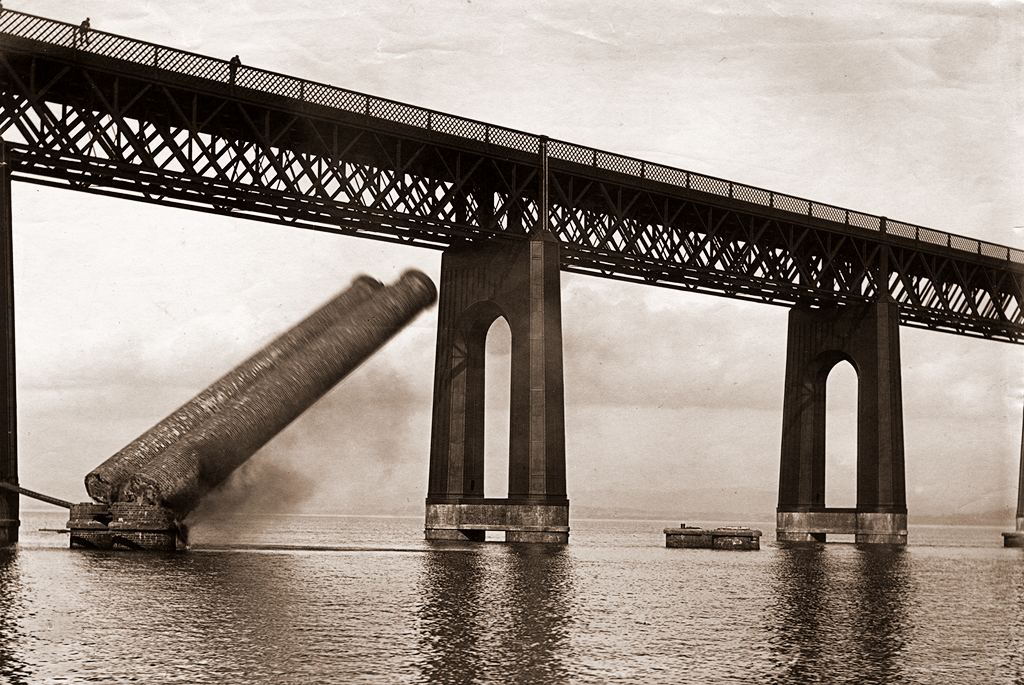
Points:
(673, 400)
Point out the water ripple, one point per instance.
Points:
(368, 601)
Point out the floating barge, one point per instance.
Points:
(727, 537)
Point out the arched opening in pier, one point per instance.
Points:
(497, 407)
(841, 436)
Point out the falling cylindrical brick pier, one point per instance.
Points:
(180, 475)
(103, 481)
(155, 481)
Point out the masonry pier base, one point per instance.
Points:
(522, 521)
(1015, 538)
(122, 525)
(880, 528)
(728, 537)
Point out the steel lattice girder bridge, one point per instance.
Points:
(116, 116)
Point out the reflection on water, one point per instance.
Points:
(613, 606)
(839, 611)
(13, 668)
(881, 619)
(501, 616)
(538, 593)
(449, 613)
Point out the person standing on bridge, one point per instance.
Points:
(233, 68)
(83, 32)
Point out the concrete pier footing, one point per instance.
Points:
(522, 522)
(867, 527)
(1013, 539)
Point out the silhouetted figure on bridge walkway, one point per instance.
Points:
(82, 37)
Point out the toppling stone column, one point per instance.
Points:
(519, 282)
(147, 488)
(102, 482)
(868, 337)
(179, 476)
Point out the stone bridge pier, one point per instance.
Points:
(519, 282)
(9, 505)
(868, 337)
(1015, 538)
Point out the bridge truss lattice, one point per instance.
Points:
(111, 115)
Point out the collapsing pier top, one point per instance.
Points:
(145, 490)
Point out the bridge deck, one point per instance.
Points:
(122, 117)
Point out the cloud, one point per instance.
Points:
(612, 358)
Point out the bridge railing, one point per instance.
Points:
(190, 64)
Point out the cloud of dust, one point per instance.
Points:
(261, 486)
(348, 450)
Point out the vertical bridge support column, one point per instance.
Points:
(867, 337)
(8, 426)
(1016, 538)
(519, 282)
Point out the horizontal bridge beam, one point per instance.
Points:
(134, 120)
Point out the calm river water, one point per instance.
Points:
(615, 605)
